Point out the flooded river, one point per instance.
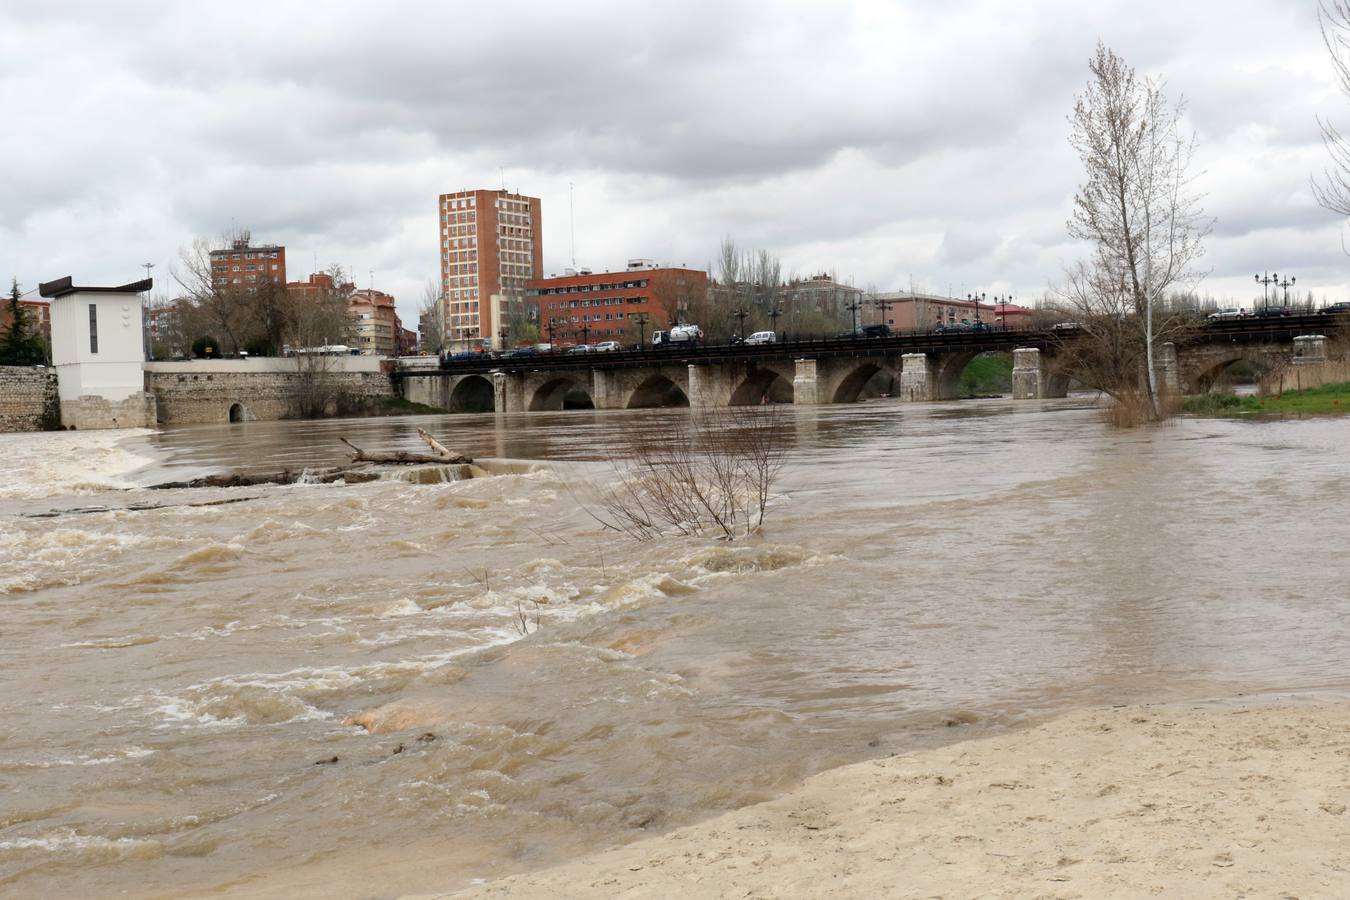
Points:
(391, 688)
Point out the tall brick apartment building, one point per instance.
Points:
(491, 247)
(589, 306)
(244, 264)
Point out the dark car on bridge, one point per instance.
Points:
(1271, 311)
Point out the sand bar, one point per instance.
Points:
(1134, 801)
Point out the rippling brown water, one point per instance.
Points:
(180, 686)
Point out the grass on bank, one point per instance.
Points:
(397, 406)
(1327, 399)
(988, 375)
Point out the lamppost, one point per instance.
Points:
(977, 298)
(853, 308)
(145, 319)
(1266, 282)
(585, 332)
(883, 305)
(1002, 314)
(774, 313)
(642, 318)
(1286, 284)
(740, 315)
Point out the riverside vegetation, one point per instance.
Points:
(1327, 399)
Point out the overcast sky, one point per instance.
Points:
(886, 141)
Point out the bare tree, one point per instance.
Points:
(318, 321)
(712, 473)
(1332, 190)
(1138, 204)
(220, 307)
(431, 322)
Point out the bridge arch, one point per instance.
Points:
(472, 394)
(867, 379)
(561, 393)
(656, 391)
(762, 386)
(950, 368)
(1212, 372)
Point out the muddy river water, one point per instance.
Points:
(181, 686)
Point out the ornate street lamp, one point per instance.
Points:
(641, 318)
(1265, 283)
(1286, 284)
(853, 308)
(977, 298)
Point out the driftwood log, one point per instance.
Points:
(346, 474)
(357, 473)
(439, 455)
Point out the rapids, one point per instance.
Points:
(400, 687)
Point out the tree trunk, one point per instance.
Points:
(442, 456)
(1154, 406)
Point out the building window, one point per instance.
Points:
(93, 327)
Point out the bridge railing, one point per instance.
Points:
(930, 340)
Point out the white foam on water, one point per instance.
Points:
(98, 758)
(68, 840)
(61, 463)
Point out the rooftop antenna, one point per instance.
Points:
(502, 170)
(572, 223)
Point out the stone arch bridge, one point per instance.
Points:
(910, 367)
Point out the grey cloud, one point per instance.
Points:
(884, 139)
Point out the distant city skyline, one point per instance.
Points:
(881, 141)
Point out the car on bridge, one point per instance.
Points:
(1230, 313)
(608, 347)
(1334, 309)
(1272, 311)
(762, 337)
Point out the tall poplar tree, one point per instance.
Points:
(1138, 204)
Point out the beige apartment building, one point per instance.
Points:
(491, 246)
(376, 324)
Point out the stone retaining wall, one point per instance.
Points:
(28, 399)
(264, 389)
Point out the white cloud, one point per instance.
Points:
(883, 140)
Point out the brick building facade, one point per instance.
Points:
(600, 306)
(245, 265)
(491, 246)
(906, 311)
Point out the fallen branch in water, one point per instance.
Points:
(440, 454)
(346, 474)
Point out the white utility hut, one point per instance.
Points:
(99, 354)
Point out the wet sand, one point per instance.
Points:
(1131, 801)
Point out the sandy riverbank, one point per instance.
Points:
(1135, 801)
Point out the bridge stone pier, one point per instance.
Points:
(1310, 349)
(1035, 376)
